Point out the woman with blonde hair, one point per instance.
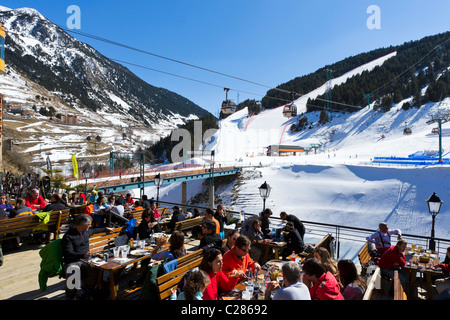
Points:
(324, 257)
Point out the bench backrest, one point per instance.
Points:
(134, 214)
(364, 257)
(368, 295)
(103, 240)
(399, 293)
(188, 223)
(173, 278)
(13, 225)
(323, 243)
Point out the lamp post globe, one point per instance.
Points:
(434, 206)
(264, 192)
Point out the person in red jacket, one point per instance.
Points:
(34, 200)
(325, 285)
(444, 283)
(394, 259)
(212, 263)
(238, 258)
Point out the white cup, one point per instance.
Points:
(116, 251)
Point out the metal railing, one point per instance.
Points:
(344, 236)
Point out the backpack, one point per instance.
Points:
(89, 210)
(150, 288)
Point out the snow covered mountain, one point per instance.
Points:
(339, 184)
(47, 68)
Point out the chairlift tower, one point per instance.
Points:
(440, 118)
(328, 96)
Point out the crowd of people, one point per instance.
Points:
(227, 257)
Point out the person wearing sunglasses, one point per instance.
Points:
(238, 258)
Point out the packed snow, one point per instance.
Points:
(339, 184)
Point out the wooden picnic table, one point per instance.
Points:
(116, 266)
(266, 245)
(414, 266)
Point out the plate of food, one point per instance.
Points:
(139, 252)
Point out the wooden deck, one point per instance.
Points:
(20, 270)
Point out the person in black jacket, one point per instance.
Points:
(294, 241)
(221, 216)
(265, 228)
(55, 204)
(176, 217)
(148, 225)
(298, 225)
(210, 238)
(75, 247)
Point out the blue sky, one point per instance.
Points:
(265, 41)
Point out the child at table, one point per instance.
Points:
(195, 285)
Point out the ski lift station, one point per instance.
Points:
(283, 150)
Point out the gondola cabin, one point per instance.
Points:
(407, 131)
(290, 110)
(228, 106)
(435, 131)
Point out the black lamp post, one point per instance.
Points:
(158, 182)
(264, 191)
(434, 205)
(86, 175)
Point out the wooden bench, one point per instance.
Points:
(137, 214)
(364, 258)
(9, 227)
(188, 224)
(399, 293)
(103, 240)
(369, 294)
(169, 280)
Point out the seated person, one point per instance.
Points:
(55, 204)
(293, 239)
(129, 200)
(231, 239)
(195, 285)
(382, 237)
(353, 286)
(212, 264)
(118, 208)
(34, 200)
(155, 210)
(6, 206)
(93, 197)
(75, 246)
(20, 209)
(210, 237)
(255, 234)
(148, 225)
(298, 225)
(238, 257)
(176, 247)
(100, 209)
(394, 259)
(293, 288)
(324, 284)
(323, 255)
(177, 216)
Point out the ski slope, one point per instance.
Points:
(340, 184)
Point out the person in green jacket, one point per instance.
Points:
(51, 263)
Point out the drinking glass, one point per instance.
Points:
(116, 251)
